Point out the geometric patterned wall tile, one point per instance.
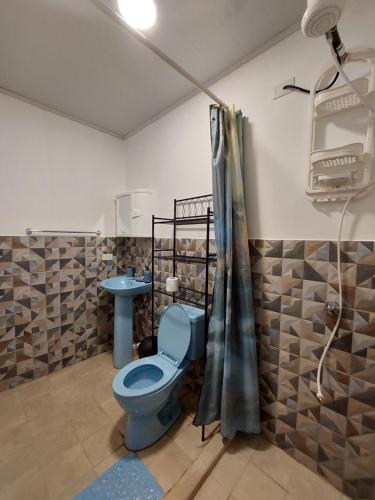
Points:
(291, 306)
(47, 286)
(365, 276)
(293, 249)
(293, 268)
(52, 315)
(365, 299)
(315, 291)
(270, 248)
(335, 438)
(361, 252)
(317, 250)
(316, 270)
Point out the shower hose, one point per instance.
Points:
(364, 101)
(337, 324)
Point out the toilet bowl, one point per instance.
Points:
(147, 389)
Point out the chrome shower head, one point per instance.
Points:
(321, 16)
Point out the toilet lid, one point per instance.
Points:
(174, 333)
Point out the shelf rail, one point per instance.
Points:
(30, 231)
(186, 211)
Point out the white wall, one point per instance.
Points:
(173, 154)
(55, 173)
(58, 174)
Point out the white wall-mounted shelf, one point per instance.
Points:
(134, 211)
(340, 99)
(337, 173)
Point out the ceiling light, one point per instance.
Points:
(139, 14)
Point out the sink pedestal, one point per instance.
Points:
(124, 289)
(123, 334)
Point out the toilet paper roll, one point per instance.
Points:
(171, 284)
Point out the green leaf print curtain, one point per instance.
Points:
(230, 388)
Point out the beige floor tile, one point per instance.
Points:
(15, 439)
(86, 382)
(275, 463)
(214, 449)
(115, 413)
(212, 490)
(189, 440)
(154, 452)
(83, 378)
(44, 406)
(33, 389)
(340, 496)
(9, 420)
(42, 422)
(76, 487)
(110, 460)
(112, 408)
(12, 411)
(319, 488)
(101, 388)
(61, 377)
(190, 482)
(8, 397)
(231, 466)
(102, 443)
(166, 461)
(69, 468)
(121, 424)
(315, 496)
(28, 487)
(63, 383)
(86, 415)
(254, 484)
(53, 439)
(64, 427)
(17, 466)
(197, 472)
(169, 470)
(105, 360)
(292, 475)
(180, 425)
(87, 366)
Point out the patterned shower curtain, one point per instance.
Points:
(230, 388)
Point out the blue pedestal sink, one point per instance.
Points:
(124, 289)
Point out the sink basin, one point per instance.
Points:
(124, 289)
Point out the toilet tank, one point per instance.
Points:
(197, 340)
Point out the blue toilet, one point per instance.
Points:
(147, 389)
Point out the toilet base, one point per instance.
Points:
(144, 430)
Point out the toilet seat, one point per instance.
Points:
(167, 369)
(174, 335)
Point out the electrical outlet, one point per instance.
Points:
(279, 91)
(107, 256)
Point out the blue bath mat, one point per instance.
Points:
(127, 479)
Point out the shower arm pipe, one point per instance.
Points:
(115, 16)
(30, 231)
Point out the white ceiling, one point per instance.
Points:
(69, 56)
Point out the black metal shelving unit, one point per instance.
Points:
(194, 211)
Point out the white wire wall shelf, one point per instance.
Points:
(337, 173)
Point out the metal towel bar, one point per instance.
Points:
(30, 231)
